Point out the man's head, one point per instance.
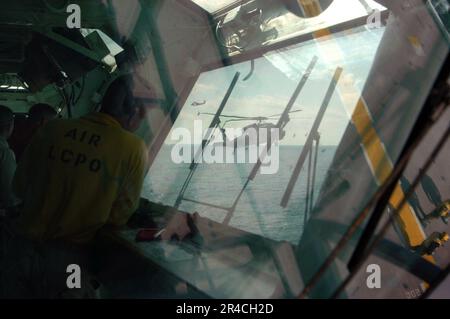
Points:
(120, 103)
(41, 113)
(6, 122)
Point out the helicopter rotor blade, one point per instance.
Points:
(205, 113)
(243, 118)
(227, 116)
(237, 120)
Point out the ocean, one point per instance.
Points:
(258, 210)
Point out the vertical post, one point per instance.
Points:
(285, 116)
(310, 139)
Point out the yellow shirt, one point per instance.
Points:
(78, 175)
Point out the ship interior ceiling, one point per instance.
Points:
(357, 89)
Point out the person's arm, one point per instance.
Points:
(180, 226)
(130, 193)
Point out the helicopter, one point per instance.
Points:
(195, 103)
(260, 124)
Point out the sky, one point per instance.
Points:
(274, 80)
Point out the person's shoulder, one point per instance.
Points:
(56, 124)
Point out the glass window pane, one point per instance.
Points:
(264, 94)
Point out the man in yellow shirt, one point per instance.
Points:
(78, 175)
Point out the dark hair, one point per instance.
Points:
(119, 100)
(41, 111)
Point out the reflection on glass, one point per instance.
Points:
(289, 25)
(266, 93)
(212, 6)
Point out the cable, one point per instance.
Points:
(65, 100)
(83, 80)
(252, 70)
